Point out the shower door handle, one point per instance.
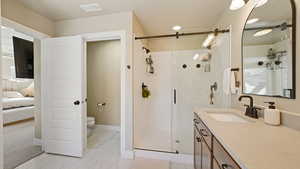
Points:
(174, 96)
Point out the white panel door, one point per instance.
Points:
(63, 91)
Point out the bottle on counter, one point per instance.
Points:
(272, 115)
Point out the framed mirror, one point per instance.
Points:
(269, 50)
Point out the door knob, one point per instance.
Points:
(77, 102)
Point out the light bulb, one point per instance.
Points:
(263, 32)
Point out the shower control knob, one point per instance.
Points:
(77, 102)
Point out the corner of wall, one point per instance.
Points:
(138, 29)
(16, 11)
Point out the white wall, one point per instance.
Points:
(14, 10)
(37, 89)
(103, 81)
(237, 19)
(1, 114)
(183, 43)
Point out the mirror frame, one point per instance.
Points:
(294, 52)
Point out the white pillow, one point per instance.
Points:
(29, 91)
(12, 94)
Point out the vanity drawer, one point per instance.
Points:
(222, 157)
(203, 130)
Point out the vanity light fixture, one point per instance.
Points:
(177, 28)
(252, 21)
(260, 3)
(263, 32)
(208, 40)
(237, 4)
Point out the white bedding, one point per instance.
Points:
(9, 103)
(17, 114)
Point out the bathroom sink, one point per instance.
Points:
(228, 117)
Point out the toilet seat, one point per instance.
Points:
(91, 121)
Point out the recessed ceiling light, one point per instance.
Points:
(236, 4)
(177, 28)
(260, 2)
(263, 32)
(252, 21)
(94, 7)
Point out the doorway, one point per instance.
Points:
(20, 93)
(67, 87)
(103, 93)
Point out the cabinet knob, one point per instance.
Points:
(198, 139)
(227, 166)
(196, 121)
(204, 132)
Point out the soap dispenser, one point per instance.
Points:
(272, 115)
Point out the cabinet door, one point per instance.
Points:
(223, 157)
(197, 150)
(215, 164)
(206, 156)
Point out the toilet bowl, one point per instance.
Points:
(90, 125)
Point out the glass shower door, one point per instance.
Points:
(191, 85)
(180, 84)
(152, 115)
(191, 79)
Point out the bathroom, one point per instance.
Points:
(103, 91)
(195, 84)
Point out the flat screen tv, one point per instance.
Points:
(23, 56)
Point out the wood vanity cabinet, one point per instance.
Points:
(208, 152)
(202, 145)
(197, 149)
(222, 157)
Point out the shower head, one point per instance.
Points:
(146, 50)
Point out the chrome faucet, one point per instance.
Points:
(251, 111)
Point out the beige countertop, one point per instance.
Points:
(255, 145)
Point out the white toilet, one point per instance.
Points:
(91, 122)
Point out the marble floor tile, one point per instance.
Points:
(103, 153)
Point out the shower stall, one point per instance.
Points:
(181, 83)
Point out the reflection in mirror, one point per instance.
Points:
(269, 50)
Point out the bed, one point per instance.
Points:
(17, 109)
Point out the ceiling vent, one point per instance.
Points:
(94, 7)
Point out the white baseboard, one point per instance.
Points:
(37, 142)
(111, 127)
(178, 158)
(128, 155)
